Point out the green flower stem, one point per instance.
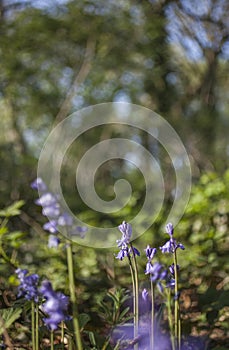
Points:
(134, 291)
(136, 313)
(73, 296)
(152, 317)
(33, 324)
(62, 334)
(170, 318)
(177, 307)
(134, 302)
(52, 340)
(37, 327)
(136, 286)
(70, 345)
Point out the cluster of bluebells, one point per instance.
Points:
(155, 270)
(158, 274)
(51, 208)
(124, 242)
(55, 306)
(28, 287)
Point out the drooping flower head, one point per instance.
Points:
(38, 184)
(155, 271)
(169, 229)
(51, 226)
(122, 253)
(126, 230)
(172, 270)
(124, 242)
(55, 306)
(53, 242)
(52, 209)
(145, 294)
(150, 252)
(28, 287)
(171, 245)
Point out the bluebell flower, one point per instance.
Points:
(171, 246)
(124, 242)
(28, 287)
(170, 283)
(167, 247)
(39, 185)
(169, 229)
(180, 245)
(163, 274)
(46, 200)
(65, 220)
(51, 208)
(123, 253)
(150, 252)
(126, 231)
(145, 294)
(53, 242)
(52, 211)
(149, 268)
(50, 205)
(135, 251)
(55, 306)
(51, 226)
(171, 269)
(154, 270)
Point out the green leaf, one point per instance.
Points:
(92, 338)
(83, 320)
(124, 312)
(3, 230)
(15, 238)
(13, 209)
(8, 316)
(113, 297)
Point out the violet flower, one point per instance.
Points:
(28, 287)
(55, 306)
(124, 242)
(39, 185)
(150, 252)
(171, 245)
(53, 242)
(51, 208)
(154, 270)
(51, 226)
(126, 231)
(145, 294)
(171, 269)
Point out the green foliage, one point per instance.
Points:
(112, 308)
(139, 52)
(205, 226)
(12, 210)
(8, 317)
(10, 240)
(133, 54)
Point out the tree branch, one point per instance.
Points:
(79, 79)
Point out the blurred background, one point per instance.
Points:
(170, 56)
(60, 56)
